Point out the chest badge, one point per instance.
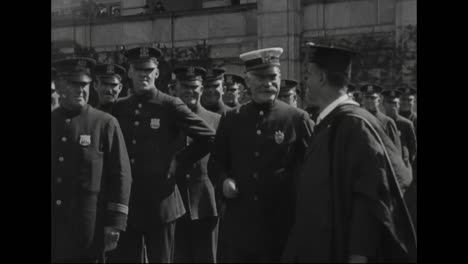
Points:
(155, 124)
(85, 140)
(279, 137)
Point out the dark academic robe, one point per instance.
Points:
(389, 127)
(349, 194)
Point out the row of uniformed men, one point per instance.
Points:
(146, 166)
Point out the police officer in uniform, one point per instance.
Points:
(371, 100)
(197, 230)
(213, 91)
(407, 99)
(354, 93)
(405, 127)
(288, 92)
(152, 123)
(408, 144)
(233, 84)
(108, 85)
(90, 171)
(258, 148)
(54, 95)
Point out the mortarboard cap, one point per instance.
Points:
(331, 58)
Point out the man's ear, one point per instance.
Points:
(156, 73)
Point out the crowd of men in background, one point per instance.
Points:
(227, 168)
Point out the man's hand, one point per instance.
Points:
(229, 188)
(111, 238)
(357, 259)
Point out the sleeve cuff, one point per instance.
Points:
(116, 207)
(116, 220)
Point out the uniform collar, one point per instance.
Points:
(264, 106)
(72, 113)
(327, 110)
(147, 95)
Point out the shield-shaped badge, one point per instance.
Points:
(155, 124)
(279, 137)
(85, 140)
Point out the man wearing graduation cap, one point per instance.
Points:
(213, 91)
(54, 95)
(405, 126)
(197, 230)
(152, 123)
(233, 84)
(288, 93)
(108, 85)
(258, 148)
(407, 101)
(90, 171)
(349, 206)
(371, 101)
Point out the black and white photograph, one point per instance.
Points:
(233, 131)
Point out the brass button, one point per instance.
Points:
(140, 105)
(132, 161)
(261, 113)
(257, 154)
(134, 141)
(259, 132)
(64, 139)
(59, 180)
(137, 123)
(61, 159)
(58, 202)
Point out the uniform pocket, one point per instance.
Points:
(91, 168)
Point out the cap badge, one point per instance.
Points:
(408, 90)
(370, 88)
(229, 79)
(81, 64)
(110, 69)
(392, 93)
(190, 71)
(279, 137)
(209, 72)
(155, 123)
(144, 53)
(266, 58)
(85, 140)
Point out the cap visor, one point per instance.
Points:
(144, 65)
(265, 70)
(82, 78)
(110, 80)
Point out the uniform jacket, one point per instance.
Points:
(152, 125)
(260, 147)
(91, 180)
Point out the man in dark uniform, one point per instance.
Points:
(258, 148)
(53, 94)
(408, 143)
(371, 102)
(244, 94)
(405, 127)
(213, 91)
(152, 123)
(288, 92)
(233, 84)
(349, 207)
(108, 85)
(407, 110)
(197, 230)
(90, 171)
